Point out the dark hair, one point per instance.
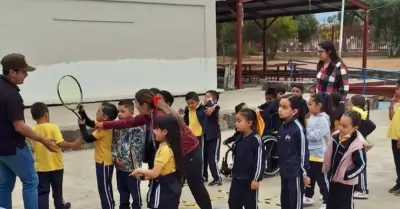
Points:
(239, 107)
(271, 91)
(128, 103)
(295, 103)
(169, 123)
(325, 100)
(330, 48)
(109, 110)
(250, 115)
(192, 95)
(38, 110)
(214, 94)
(299, 86)
(154, 90)
(338, 107)
(168, 98)
(360, 102)
(280, 89)
(355, 117)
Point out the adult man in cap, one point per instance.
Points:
(15, 156)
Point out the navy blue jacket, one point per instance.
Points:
(211, 127)
(201, 115)
(293, 150)
(248, 157)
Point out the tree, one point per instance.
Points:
(282, 29)
(307, 27)
(385, 24)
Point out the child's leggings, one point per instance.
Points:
(241, 195)
(340, 196)
(362, 185)
(318, 177)
(104, 175)
(292, 191)
(211, 157)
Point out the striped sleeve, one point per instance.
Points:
(303, 149)
(260, 163)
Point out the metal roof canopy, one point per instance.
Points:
(261, 9)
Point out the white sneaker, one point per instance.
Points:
(360, 195)
(308, 201)
(321, 198)
(323, 206)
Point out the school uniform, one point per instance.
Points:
(293, 161)
(317, 134)
(366, 128)
(343, 163)
(249, 165)
(212, 143)
(125, 140)
(394, 134)
(165, 190)
(49, 166)
(271, 118)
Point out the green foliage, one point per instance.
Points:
(307, 27)
(282, 29)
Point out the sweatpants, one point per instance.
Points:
(241, 195)
(104, 175)
(128, 186)
(362, 185)
(53, 179)
(292, 190)
(396, 157)
(316, 176)
(192, 165)
(165, 192)
(211, 157)
(340, 196)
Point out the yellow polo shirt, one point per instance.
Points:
(194, 124)
(44, 159)
(394, 128)
(102, 146)
(165, 159)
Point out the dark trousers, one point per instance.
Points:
(211, 158)
(292, 190)
(128, 186)
(165, 192)
(396, 156)
(316, 176)
(340, 196)
(362, 185)
(241, 195)
(53, 179)
(192, 163)
(104, 175)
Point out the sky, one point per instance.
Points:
(321, 16)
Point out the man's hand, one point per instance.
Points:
(50, 144)
(209, 110)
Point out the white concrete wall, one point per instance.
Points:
(169, 44)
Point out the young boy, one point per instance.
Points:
(394, 134)
(270, 114)
(298, 90)
(212, 136)
(167, 96)
(102, 151)
(270, 96)
(280, 91)
(125, 140)
(49, 165)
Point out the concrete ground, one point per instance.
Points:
(80, 182)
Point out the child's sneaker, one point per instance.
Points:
(308, 201)
(323, 206)
(215, 183)
(321, 198)
(67, 205)
(360, 195)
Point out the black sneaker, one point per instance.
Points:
(67, 205)
(215, 183)
(394, 189)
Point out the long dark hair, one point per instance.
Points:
(330, 48)
(338, 106)
(169, 123)
(250, 115)
(325, 100)
(295, 103)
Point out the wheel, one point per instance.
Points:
(271, 155)
(226, 168)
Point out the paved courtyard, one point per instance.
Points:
(80, 182)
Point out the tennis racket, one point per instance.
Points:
(134, 162)
(70, 93)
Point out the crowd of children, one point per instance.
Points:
(320, 141)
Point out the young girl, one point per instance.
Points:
(293, 152)
(249, 163)
(318, 133)
(344, 161)
(167, 171)
(394, 134)
(337, 110)
(357, 104)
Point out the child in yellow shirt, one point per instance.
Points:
(167, 172)
(49, 165)
(102, 150)
(394, 134)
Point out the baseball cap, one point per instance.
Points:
(17, 62)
